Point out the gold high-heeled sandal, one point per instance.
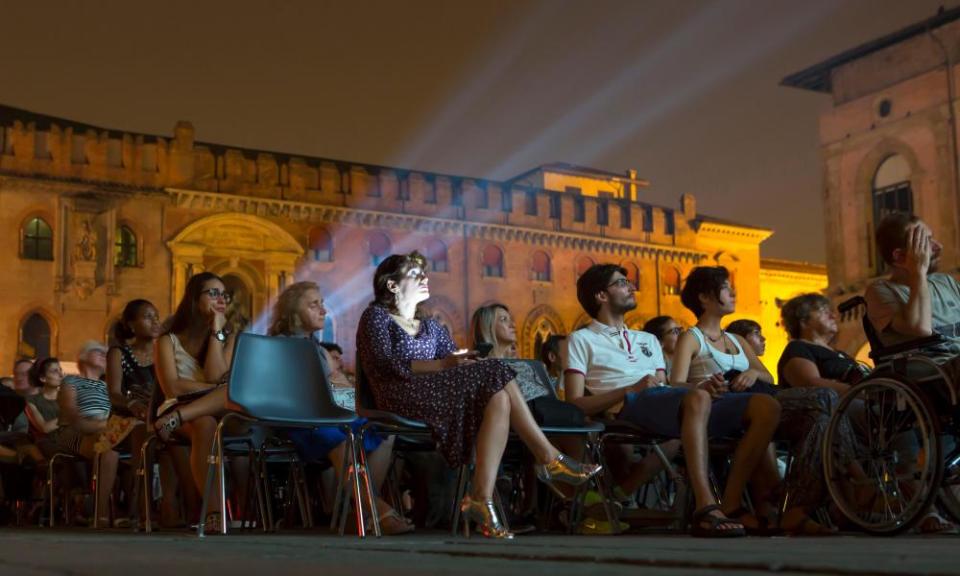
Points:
(566, 470)
(484, 514)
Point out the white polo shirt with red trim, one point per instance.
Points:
(611, 357)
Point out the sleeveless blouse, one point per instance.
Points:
(710, 360)
(137, 381)
(187, 368)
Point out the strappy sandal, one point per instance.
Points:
(764, 526)
(167, 425)
(392, 524)
(934, 523)
(713, 530)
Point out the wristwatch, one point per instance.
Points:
(220, 335)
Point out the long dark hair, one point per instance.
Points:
(187, 312)
(121, 330)
(394, 268)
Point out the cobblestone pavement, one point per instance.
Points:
(32, 552)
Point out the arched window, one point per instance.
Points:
(672, 282)
(543, 330)
(437, 256)
(125, 248)
(633, 274)
(492, 261)
(378, 247)
(37, 240)
(34, 337)
(321, 245)
(540, 266)
(583, 264)
(891, 193)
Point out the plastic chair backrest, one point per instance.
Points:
(281, 380)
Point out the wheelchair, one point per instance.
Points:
(904, 456)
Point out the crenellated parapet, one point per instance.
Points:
(268, 183)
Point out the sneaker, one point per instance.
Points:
(122, 522)
(600, 527)
(594, 508)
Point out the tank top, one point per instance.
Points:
(137, 381)
(710, 360)
(187, 368)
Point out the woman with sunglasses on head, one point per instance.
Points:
(192, 361)
(415, 370)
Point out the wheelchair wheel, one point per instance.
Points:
(949, 496)
(882, 456)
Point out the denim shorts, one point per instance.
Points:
(658, 410)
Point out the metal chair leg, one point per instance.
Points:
(96, 491)
(368, 485)
(357, 498)
(50, 485)
(340, 495)
(212, 465)
(463, 479)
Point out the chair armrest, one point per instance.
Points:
(916, 344)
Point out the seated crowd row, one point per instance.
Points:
(683, 387)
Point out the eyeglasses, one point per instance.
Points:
(620, 283)
(416, 273)
(218, 293)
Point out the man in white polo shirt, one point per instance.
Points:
(624, 370)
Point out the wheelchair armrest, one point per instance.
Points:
(908, 346)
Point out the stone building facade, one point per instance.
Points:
(889, 142)
(93, 217)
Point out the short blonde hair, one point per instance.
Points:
(286, 317)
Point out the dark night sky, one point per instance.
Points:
(685, 92)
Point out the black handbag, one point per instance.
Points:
(550, 411)
(759, 387)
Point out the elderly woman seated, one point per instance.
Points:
(810, 362)
(300, 313)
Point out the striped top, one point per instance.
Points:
(93, 400)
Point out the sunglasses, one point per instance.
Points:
(218, 293)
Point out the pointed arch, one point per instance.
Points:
(539, 323)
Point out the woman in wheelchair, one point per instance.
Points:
(809, 361)
(300, 313)
(706, 353)
(469, 404)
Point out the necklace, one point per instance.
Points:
(406, 324)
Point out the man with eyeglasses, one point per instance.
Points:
(625, 373)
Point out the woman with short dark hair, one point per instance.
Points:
(415, 370)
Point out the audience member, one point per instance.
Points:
(624, 371)
(414, 369)
(751, 333)
(915, 300)
(131, 380)
(192, 361)
(338, 378)
(300, 313)
(732, 361)
(553, 353)
(666, 329)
